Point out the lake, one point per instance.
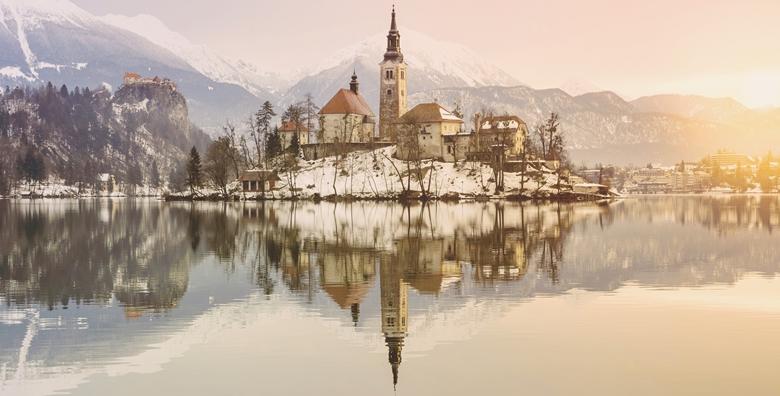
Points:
(642, 296)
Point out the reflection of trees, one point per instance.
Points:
(80, 252)
(87, 251)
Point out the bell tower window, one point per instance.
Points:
(389, 92)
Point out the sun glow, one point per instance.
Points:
(761, 89)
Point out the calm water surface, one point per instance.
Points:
(647, 296)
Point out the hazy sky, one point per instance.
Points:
(709, 47)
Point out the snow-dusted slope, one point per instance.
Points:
(56, 41)
(200, 57)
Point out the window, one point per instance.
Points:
(391, 321)
(402, 92)
(389, 74)
(389, 92)
(402, 74)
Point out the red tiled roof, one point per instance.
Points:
(289, 126)
(347, 102)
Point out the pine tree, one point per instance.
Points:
(295, 145)
(31, 166)
(261, 128)
(764, 173)
(273, 144)
(194, 171)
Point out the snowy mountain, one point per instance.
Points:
(575, 87)
(602, 127)
(54, 40)
(432, 64)
(200, 57)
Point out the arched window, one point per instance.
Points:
(402, 74)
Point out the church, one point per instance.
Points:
(427, 131)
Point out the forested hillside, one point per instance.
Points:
(137, 134)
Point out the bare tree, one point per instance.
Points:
(310, 115)
(411, 151)
(218, 159)
(233, 153)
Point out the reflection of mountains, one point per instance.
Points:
(74, 275)
(142, 256)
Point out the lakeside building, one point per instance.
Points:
(258, 180)
(728, 159)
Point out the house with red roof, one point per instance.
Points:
(347, 117)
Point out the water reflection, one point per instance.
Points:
(368, 263)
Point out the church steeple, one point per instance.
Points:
(392, 84)
(394, 41)
(353, 85)
(394, 347)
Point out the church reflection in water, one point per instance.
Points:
(410, 248)
(363, 262)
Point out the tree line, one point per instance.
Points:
(260, 146)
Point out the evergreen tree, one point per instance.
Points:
(273, 144)
(31, 166)
(764, 174)
(295, 145)
(5, 180)
(134, 174)
(194, 171)
(262, 128)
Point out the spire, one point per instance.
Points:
(394, 41)
(394, 346)
(354, 85)
(355, 309)
(393, 26)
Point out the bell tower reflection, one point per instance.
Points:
(395, 311)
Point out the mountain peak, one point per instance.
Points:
(34, 11)
(425, 53)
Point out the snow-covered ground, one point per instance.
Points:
(375, 174)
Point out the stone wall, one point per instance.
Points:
(313, 152)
